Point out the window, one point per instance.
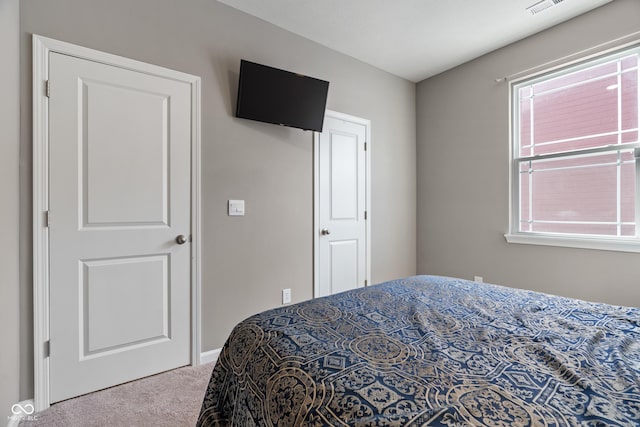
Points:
(575, 155)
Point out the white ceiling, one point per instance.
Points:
(414, 39)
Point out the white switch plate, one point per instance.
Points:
(286, 296)
(236, 207)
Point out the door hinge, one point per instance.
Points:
(365, 215)
(47, 348)
(47, 89)
(366, 282)
(46, 218)
(365, 146)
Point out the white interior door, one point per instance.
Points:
(120, 195)
(342, 197)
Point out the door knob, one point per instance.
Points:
(325, 231)
(181, 239)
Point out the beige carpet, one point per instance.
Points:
(172, 398)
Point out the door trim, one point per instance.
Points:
(316, 197)
(42, 46)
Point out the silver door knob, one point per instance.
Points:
(181, 239)
(325, 231)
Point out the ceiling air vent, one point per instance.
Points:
(542, 5)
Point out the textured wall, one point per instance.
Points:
(463, 172)
(10, 359)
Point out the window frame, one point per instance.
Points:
(609, 243)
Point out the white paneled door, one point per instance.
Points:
(342, 198)
(119, 224)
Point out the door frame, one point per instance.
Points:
(42, 46)
(316, 197)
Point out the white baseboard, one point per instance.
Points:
(209, 356)
(21, 410)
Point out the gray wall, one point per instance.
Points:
(10, 358)
(463, 172)
(248, 260)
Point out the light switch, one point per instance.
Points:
(236, 207)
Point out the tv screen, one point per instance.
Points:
(271, 95)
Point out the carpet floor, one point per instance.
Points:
(171, 398)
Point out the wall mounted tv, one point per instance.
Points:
(271, 95)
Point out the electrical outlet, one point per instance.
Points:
(478, 279)
(286, 296)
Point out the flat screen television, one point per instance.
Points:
(271, 95)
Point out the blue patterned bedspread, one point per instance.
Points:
(434, 351)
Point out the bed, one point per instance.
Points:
(430, 351)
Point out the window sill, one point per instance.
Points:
(603, 244)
